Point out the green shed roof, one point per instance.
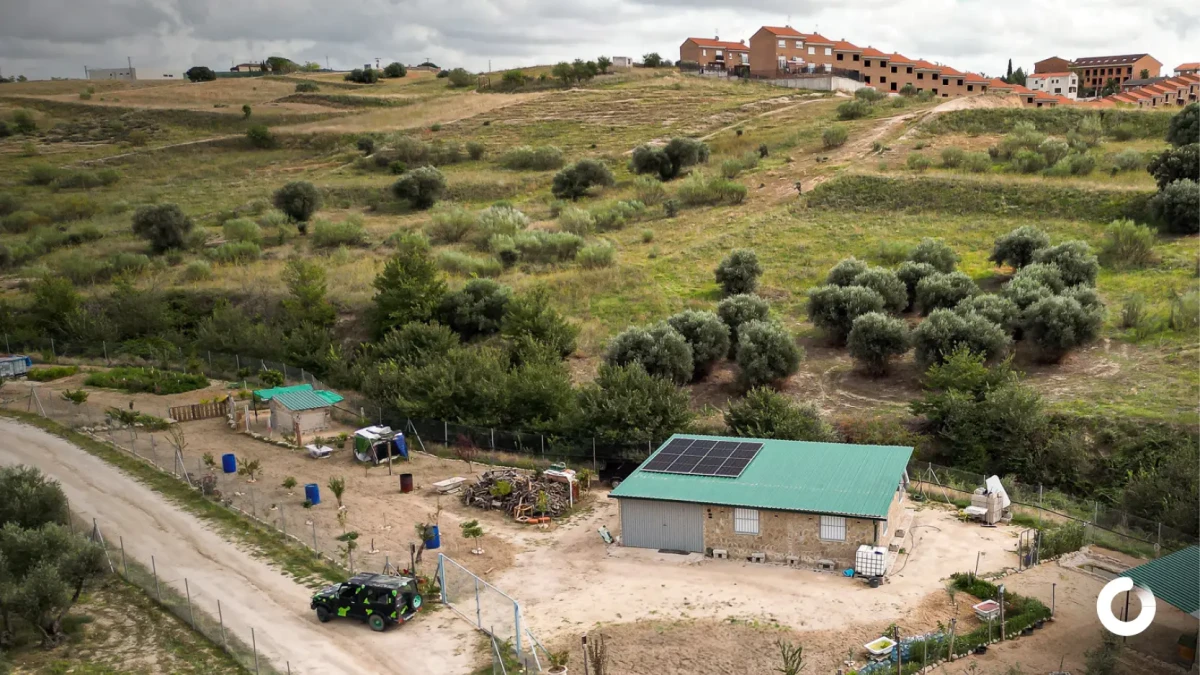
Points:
(330, 396)
(1174, 578)
(268, 394)
(301, 400)
(838, 478)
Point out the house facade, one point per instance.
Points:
(714, 53)
(1096, 71)
(783, 49)
(247, 68)
(1191, 68)
(1065, 84)
(1164, 92)
(127, 74)
(784, 500)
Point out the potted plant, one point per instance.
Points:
(342, 438)
(558, 662)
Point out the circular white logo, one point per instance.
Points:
(1110, 621)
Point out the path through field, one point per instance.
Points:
(252, 593)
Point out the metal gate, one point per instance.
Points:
(647, 523)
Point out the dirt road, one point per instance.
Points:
(252, 594)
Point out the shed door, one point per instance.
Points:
(654, 524)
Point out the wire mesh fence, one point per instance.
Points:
(486, 607)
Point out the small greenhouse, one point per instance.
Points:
(379, 444)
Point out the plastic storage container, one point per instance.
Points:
(436, 541)
(870, 561)
(406, 482)
(312, 492)
(229, 463)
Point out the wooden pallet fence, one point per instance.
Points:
(199, 411)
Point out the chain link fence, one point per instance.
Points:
(485, 606)
(1106, 526)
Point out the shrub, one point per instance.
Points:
(397, 168)
(498, 219)
(766, 353)
(242, 229)
(846, 271)
(260, 136)
(597, 255)
(1185, 126)
(365, 145)
(21, 221)
(395, 69)
(197, 270)
(456, 262)
(420, 187)
(1127, 244)
(450, 226)
(935, 252)
(576, 221)
(542, 158)
(1176, 205)
(833, 309)
(1076, 164)
(944, 332)
(1122, 132)
(995, 308)
(165, 226)
(24, 122)
(477, 309)
(976, 162)
(307, 88)
(459, 77)
(730, 168)
(9, 204)
(409, 287)
(1074, 259)
(530, 317)
(660, 350)
(1058, 324)
(671, 208)
(874, 339)
(887, 285)
(738, 309)
(362, 76)
(147, 380)
(84, 180)
(475, 150)
(765, 413)
(1018, 246)
(649, 191)
(852, 110)
(349, 232)
(1053, 150)
(1128, 160)
(547, 247)
(952, 158)
(943, 291)
(42, 174)
(1024, 291)
(1028, 161)
(668, 161)
(234, 253)
(918, 162)
(614, 215)
(706, 334)
(51, 373)
(1175, 164)
(738, 273)
(1048, 275)
(911, 273)
(700, 190)
(298, 199)
(574, 181)
(834, 137)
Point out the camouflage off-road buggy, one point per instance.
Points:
(378, 599)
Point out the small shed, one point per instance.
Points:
(300, 412)
(379, 444)
(622, 62)
(14, 366)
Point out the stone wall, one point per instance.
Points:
(785, 533)
(895, 511)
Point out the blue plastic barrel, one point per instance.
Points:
(229, 462)
(436, 541)
(312, 492)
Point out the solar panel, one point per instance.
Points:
(699, 457)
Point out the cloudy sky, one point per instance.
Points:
(44, 38)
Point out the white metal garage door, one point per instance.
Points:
(647, 523)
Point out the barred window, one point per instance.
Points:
(833, 528)
(745, 521)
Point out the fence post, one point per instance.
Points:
(254, 644)
(517, 623)
(6, 347)
(282, 520)
(191, 614)
(1158, 544)
(594, 469)
(441, 573)
(314, 524)
(446, 431)
(493, 435)
(543, 444)
(1039, 506)
(478, 609)
(154, 569)
(1001, 590)
(253, 507)
(1095, 517)
(105, 344)
(53, 351)
(124, 565)
(221, 618)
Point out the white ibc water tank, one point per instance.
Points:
(870, 561)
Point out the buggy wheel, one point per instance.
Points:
(376, 622)
(415, 602)
(323, 614)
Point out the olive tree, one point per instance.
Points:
(911, 273)
(574, 181)
(833, 309)
(1017, 247)
(943, 332)
(1024, 291)
(935, 252)
(421, 187)
(1058, 324)
(739, 272)
(669, 160)
(995, 308)
(164, 225)
(1175, 164)
(1185, 126)
(299, 200)
(660, 350)
(1075, 261)
(875, 339)
(739, 309)
(765, 413)
(846, 271)
(32, 499)
(887, 285)
(1176, 206)
(943, 291)
(706, 334)
(766, 353)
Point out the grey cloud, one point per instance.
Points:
(82, 22)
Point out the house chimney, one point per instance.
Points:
(742, 41)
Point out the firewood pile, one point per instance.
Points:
(516, 493)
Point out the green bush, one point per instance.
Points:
(670, 160)
(597, 255)
(649, 191)
(852, 110)
(420, 187)
(944, 291)
(706, 334)
(234, 253)
(85, 180)
(460, 77)
(834, 137)
(995, 308)
(1184, 128)
(887, 285)
(394, 69)
(477, 309)
(456, 262)
(700, 190)
(538, 246)
(944, 332)
(765, 413)
(660, 350)
(976, 162)
(952, 158)
(365, 145)
(1175, 164)
(475, 150)
(42, 174)
(349, 232)
(450, 225)
(9, 203)
(739, 309)
(738, 272)
(935, 252)
(613, 216)
(525, 157)
(1074, 259)
(1176, 205)
(1046, 274)
(918, 162)
(307, 88)
(1028, 161)
(1061, 539)
(1058, 324)
(298, 199)
(730, 168)
(1024, 291)
(164, 225)
(1127, 245)
(1128, 160)
(875, 339)
(498, 219)
(766, 353)
(574, 181)
(833, 309)
(1018, 246)
(24, 122)
(577, 221)
(126, 263)
(197, 270)
(1053, 150)
(49, 373)
(260, 136)
(362, 76)
(146, 380)
(625, 404)
(846, 271)
(21, 221)
(911, 273)
(242, 229)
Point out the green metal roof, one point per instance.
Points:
(1174, 578)
(330, 396)
(838, 478)
(268, 394)
(301, 400)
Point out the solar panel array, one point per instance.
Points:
(700, 457)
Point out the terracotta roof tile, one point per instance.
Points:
(1042, 75)
(843, 46)
(875, 53)
(997, 83)
(898, 58)
(818, 39)
(1190, 65)
(976, 77)
(719, 44)
(922, 64)
(786, 31)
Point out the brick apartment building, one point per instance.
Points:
(714, 53)
(1096, 71)
(1191, 68)
(1172, 91)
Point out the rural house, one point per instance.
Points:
(298, 409)
(714, 53)
(780, 499)
(1189, 68)
(1065, 83)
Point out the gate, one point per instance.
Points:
(1029, 549)
(487, 608)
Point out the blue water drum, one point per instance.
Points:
(312, 492)
(229, 462)
(436, 541)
